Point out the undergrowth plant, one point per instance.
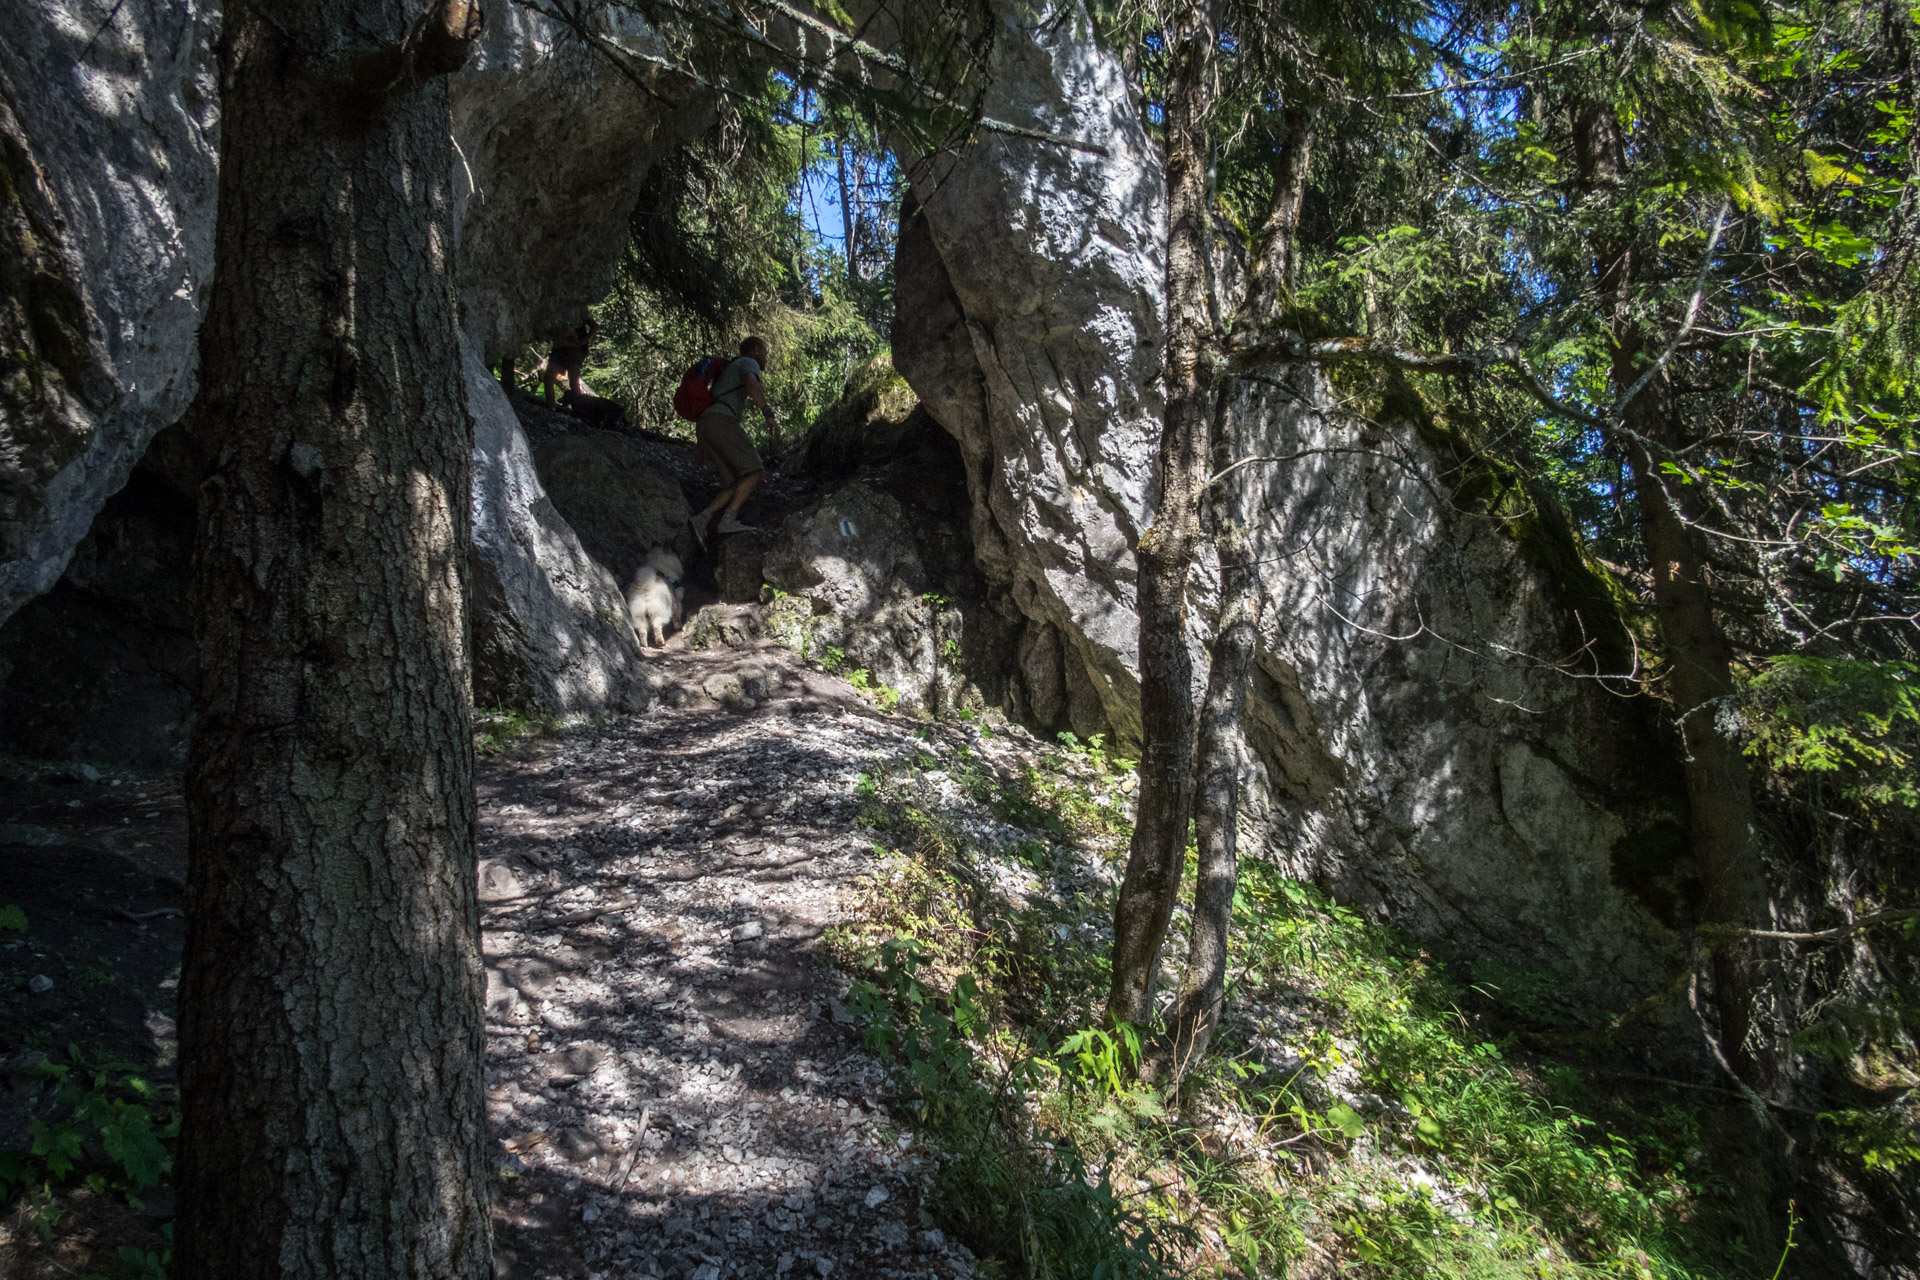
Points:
(1354, 1113)
(106, 1128)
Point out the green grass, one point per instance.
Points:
(1383, 1126)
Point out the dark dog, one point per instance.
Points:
(596, 412)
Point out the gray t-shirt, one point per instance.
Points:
(730, 388)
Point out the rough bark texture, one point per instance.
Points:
(1216, 806)
(1719, 791)
(1699, 659)
(330, 996)
(1165, 554)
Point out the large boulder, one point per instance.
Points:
(108, 149)
(617, 494)
(852, 559)
(550, 629)
(555, 144)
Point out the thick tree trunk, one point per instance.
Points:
(1216, 811)
(1165, 554)
(331, 1034)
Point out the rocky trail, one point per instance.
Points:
(673, 1080)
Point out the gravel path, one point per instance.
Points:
(672, 1081)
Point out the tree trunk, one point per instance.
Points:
(1272, 271)
(1165, 554)
(846, 211)
(330, 1028)
(1216, 813)
(1700, 683)
(1699, 659)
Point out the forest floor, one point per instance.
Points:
(675, 1087)
(674, 1080)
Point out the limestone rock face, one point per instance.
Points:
(1424, 741)
(1029, 305)
(550, 627)
(616, 495)
(1413, 745)
(852, 558)
(555, 145)
(108, 149)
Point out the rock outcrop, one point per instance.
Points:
(550, 628)
(616, 494)
(108, 142)
(556, 145)
(108, 137)
(1415, 746)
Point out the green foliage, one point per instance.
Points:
(106, 1124)
(12, 919)
(1008, 1191)
(1520, 1178)
(1882, 1138)
(1858, 722)
(1545, 1178)
(496, 729)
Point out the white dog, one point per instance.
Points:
(655, 596)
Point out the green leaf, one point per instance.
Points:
(1346, 1120)
(12, 919)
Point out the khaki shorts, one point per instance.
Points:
(732, 453)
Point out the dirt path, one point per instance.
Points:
(671, 1075)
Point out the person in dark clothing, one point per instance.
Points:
(568, 355)
(720, 433)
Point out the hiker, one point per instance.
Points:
(568, 354)
(719, 432)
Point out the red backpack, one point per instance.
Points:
(695, 395)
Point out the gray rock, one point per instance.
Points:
(852, 558)
(32, 836)
(554, 145)
(39, 984)
(499, 882)
(550, 628)
(616, 497)
(1028, 320)
(740, 566)
(576, 1145)
(108, 140)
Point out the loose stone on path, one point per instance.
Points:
(673, 1086)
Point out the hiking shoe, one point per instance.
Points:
(699, 534)
(730, 523)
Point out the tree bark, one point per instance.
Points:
(1165, 554)
(1700, 684)
(1216, 814)
(330, 1030)
(1699, 659)
(846, 211)
(1272, 270)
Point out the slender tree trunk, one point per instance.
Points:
(1216, 810)
(331, 1034)
(1272, 269)
(1700, 684)
(1699, 659)
(1165, 554)
(846, 210)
